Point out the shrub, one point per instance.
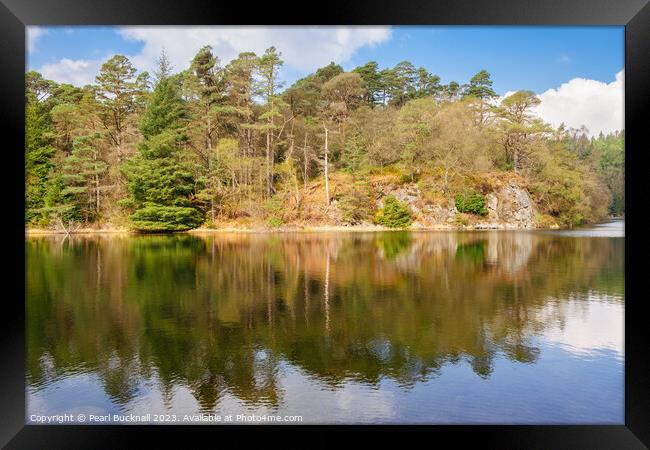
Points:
(273, 208)
(473, 203)
(408, 178)
(461, 220)
(394, 214)
(357, 205)
(274, 222)
(545, 221)
(273, 205)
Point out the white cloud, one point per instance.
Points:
(303, 48)
(77, 72)
(32, 36)
(597, 105)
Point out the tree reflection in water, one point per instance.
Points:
(221, 313)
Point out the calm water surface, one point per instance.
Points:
(420, 327)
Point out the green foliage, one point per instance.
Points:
(161, 181)
(354, 153)
(472, 203)
(164, 110)
(225, 140)
(158, 218)
(274, 222)
(480, 86)
(394, 214)
(73, 190)
(38, 160)
(610, 153)
(58, 204)
(566, 189)
(274, 207)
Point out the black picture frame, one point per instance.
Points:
(633, 14)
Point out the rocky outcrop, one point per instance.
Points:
(515, 207)
(509, 206)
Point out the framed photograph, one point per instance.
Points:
(380, 214)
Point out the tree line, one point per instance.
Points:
(172, 150)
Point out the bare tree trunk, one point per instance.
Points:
(268, 164)
(248, 167)
(97, 191)
(327, 187)
(208, 144)
(212, 208)
(294, 177)
(208, 132)
(304, 155)
(67, 232)
(119, 143)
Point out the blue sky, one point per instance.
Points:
(517, 57)
(535, 58)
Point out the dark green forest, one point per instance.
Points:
(214, 143)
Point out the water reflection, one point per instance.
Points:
(243, 320)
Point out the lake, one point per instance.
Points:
(387, 327)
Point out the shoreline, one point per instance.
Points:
(309, 229)
(368, 228)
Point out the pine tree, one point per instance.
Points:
(161, 180)
(205, 84)
(73, 188)
(81, 174)
(119, 94)
(354, 154)
(480, 86)
(268, 70)
(38, 159)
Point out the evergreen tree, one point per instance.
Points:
(324, 74)
(402, 83)
(519, 126)
(81, 173)
(72, 190)
(354, 154)
(212, 139)
(268, 67)
(373, 81)
(119, 93)
(427, 84)
(205, 82)
(480, 86)
(38, 158)
(394, 214)
(161, 181)
(452, 90)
